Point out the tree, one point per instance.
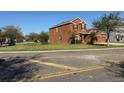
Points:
(73, 37)
(92, 37)
(108, 23)
(44, 36)
(33, 37)
(1, 37)
(12, 33)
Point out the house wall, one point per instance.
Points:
(101, 38)
(114, 35)
(61, 34)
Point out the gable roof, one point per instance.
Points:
(65, 22)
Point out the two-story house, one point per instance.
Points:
(63, 32)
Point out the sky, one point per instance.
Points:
(37, 21)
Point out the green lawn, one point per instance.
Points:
(41, 47)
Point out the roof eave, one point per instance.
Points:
(60, 25)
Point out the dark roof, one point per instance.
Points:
(65, 22)
(62, 23)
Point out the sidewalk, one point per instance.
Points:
(116, 44)
(61, 50)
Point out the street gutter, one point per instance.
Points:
(60, 50)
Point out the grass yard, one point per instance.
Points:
(41, 47)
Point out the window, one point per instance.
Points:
(56, 29)
(75, 26)
(80, 25)
(60, 37)
(83, 26)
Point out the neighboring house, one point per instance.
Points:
(64, 32)
(118, 35)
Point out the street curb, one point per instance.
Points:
(60, 50)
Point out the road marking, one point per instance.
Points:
(67, 72)
(71, 56)
(60, 56)
(113, 61)
(54, 65)
(57, 74)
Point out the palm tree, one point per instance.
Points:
(72, 37)
(92, 37)
(108, 23)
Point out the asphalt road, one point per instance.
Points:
(106, 65)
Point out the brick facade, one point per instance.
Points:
(62, 33)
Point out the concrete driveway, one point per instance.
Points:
(64, 66)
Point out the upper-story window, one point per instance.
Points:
(83, 26)
(80, 26)
(56, 29)
(75, 26)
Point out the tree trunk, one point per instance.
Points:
(108, 33)
(1, 42)
(108, 43)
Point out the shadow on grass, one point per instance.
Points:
(117, 69)
(17, 68)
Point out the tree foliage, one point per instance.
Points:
(44, 36)
(32, 37)
(92, 37)
(10, 34)
(35, 37)
(13, 32)
(108, 23)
